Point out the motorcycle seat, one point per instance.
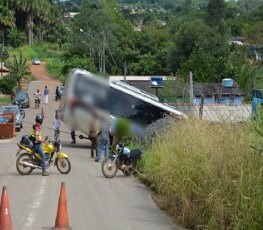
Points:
(136, 154)
(30, 147)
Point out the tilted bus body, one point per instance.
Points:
(85, 92)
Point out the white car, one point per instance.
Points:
(36, 61)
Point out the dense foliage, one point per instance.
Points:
(154, 37)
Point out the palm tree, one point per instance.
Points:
(18, 70)
(32, 8)
(7, 19)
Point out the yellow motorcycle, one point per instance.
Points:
(28, 159)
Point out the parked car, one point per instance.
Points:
(36, 61)
(58, 93)
(23, 99)
(13, 109)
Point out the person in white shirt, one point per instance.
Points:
(46, 92)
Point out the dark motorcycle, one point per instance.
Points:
(123, 159)
(37, 102)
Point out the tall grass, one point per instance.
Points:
(4, 100)
(54, 67)
(43, 51)
(208, 175)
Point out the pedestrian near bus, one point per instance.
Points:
(103, 140)
(46, 92)
(56, 125)
(73, 136)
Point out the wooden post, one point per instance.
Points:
(125, 71)
(201, 108)
(191, 88)
(191, 93)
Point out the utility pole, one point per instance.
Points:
(191, 88)
(125, 71)
(103, 55)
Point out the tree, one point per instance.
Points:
(7, 85)
(206, 68)
(81, 62)
(16, 37)
(18, 69)
(32, 8)
(192, 37)
(7, 18)
(216, 11)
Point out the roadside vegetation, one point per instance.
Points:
(4, 100)
(207, 176)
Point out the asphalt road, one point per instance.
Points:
(94, 202)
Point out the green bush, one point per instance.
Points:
(207, 175)
(78, 62)
(7, 85)
(17, 38)
(54, 67)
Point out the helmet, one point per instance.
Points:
(39, 119)
(119, 147)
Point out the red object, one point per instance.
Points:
(62, 213)
(8, 127)
(5, 216)
(42, 113)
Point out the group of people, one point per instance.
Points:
(100, 140)
(46, 93)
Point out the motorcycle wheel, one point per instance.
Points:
(63, 165)
(109, 169)
(24, 170)
(23, 114)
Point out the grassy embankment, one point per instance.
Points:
(46, 52)
(208, 176)
(4, 100)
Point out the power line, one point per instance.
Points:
(112, 57)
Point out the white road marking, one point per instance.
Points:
(3, 141)
(37, 200)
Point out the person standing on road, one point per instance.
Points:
(46, 92)
(103, 140)
(57, 125)
(73, 136)
(93, 137)
(36, 138)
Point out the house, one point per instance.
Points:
(70, 15)
(217, 93)
(210, 93)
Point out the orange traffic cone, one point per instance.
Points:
(5, 216)
(62, 213)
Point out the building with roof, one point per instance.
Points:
(209, 93)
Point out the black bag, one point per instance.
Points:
(25, 140)
(136, 154)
